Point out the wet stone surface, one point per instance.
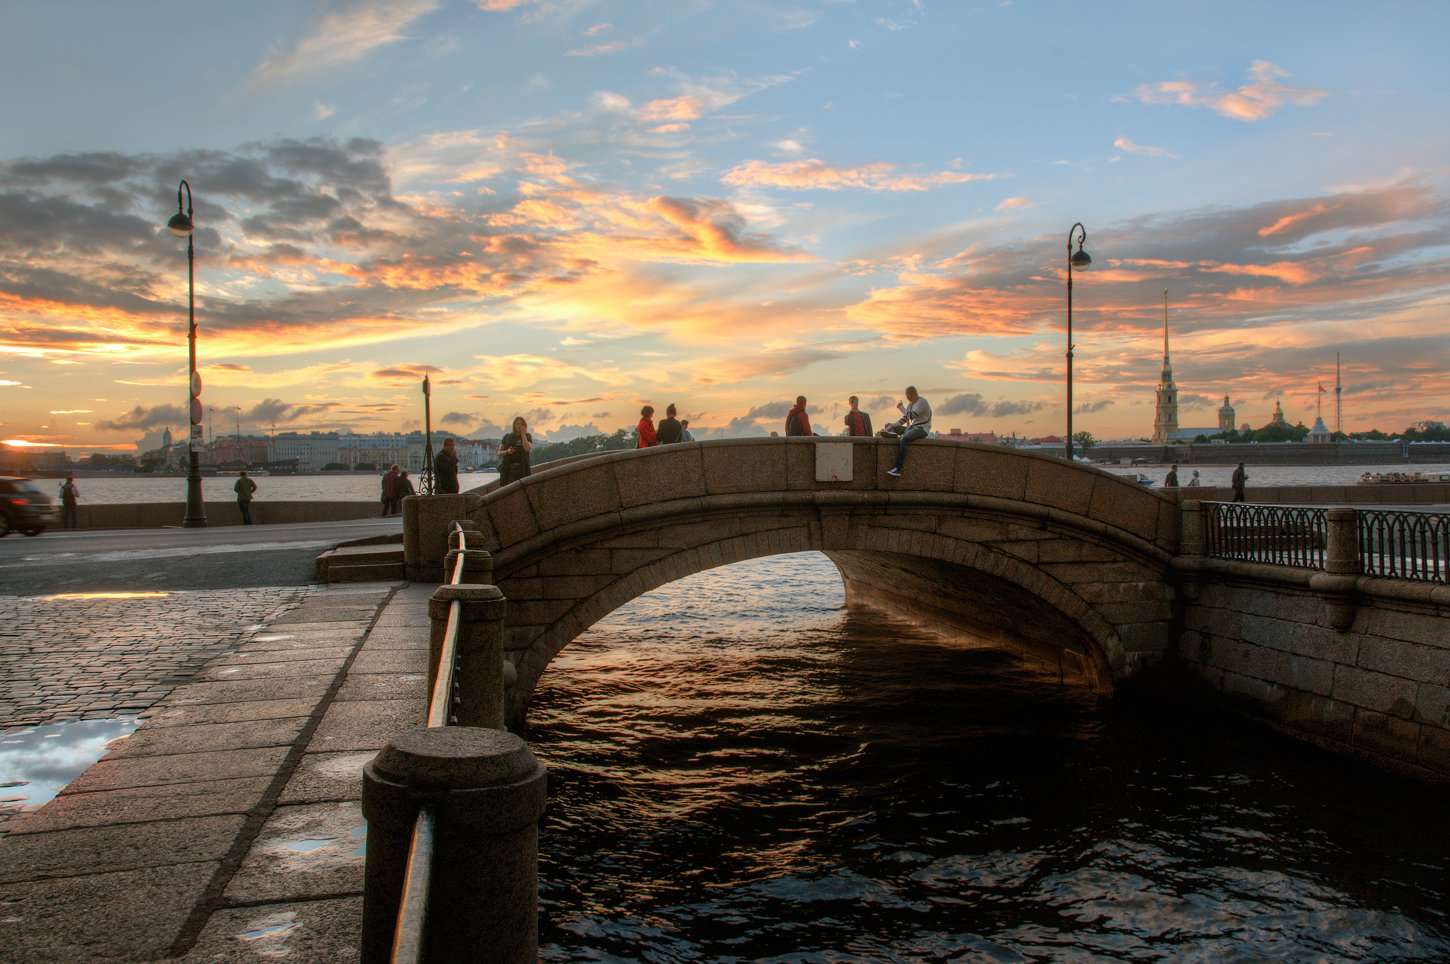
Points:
(92, 657)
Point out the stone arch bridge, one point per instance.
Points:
(1068, 564)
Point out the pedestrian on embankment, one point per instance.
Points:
(644, 432)
(1240, 479)
(1171, 482)
(445, 469)
(858, 423)
(797, 421)
(245, 489)
(390, 490)
(514, 450)
(70, 498)
(670, 431)
(914, 423)
(405, 489)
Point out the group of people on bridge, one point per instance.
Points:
(914, 424)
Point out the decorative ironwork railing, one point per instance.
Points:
(1277, 535)
(1404, 544)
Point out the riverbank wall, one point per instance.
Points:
(1278, 453)
(1397, 493)
(158, 515)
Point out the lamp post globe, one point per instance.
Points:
(183, 225)
(1075, 259)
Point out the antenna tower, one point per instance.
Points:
(1338, 407)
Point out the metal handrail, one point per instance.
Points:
(410, 932)
(1277, 535)
(1404, 544)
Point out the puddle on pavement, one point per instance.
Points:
(36, 762)
(89, 596)
(271, 926)
(272, 637)
(326, 846)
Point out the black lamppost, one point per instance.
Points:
(182, 226)
(425, 484)
(1079, 259)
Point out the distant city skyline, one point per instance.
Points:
(565, 208)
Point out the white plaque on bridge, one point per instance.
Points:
(833, 461)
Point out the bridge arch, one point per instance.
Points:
(987, 540)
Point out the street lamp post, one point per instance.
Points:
(182, 225)
(1079, 259)
(425, 484)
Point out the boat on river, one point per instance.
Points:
(1381, 478)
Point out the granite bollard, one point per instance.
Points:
(480, 674)
(487, 793)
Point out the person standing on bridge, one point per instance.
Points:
(670, 430)
(644, 432)
(797, 422)
(514, 451)
(390, 490)
(445, 469)
(914, 423)
(1172, 481)
(69, 498)
(858, 423)
(245, 488)
(1240, 479)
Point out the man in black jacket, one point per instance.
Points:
(445, 469)
(858, 423)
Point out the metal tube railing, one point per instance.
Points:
(411, 930)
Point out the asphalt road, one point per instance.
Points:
(225, 557)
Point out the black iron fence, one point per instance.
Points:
(1404, 544)
(1278, 535)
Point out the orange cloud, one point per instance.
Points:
(1289, 220)
(1261, 97)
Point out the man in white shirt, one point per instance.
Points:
(914, 423)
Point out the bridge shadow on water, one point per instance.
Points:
(744, 769)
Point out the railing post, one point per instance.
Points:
(487, 791)
(480, 675)
(477, 565)
(1190, 519)
(1337, 583)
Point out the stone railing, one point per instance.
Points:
(453, 807)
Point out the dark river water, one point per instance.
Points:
(743, 770)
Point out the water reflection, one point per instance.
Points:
(740, 770)
(37, 762)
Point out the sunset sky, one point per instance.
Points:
(564, 208)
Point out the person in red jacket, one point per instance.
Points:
(797, 422)
(858, 423)
(645, 430)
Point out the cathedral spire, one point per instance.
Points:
(1165, 327)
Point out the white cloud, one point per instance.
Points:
(322, 111)
(1142, 150)
(343, 36)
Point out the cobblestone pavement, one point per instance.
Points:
(89, 657)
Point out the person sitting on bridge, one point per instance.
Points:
(858, 423)
(644, 432)
(445, 469)
(685, 435)
(244, 489)
(797, 422)
(1239, 481)
(914, 423)
(1172, 481)
(513, 452)
(670, 430)
(1194, 482)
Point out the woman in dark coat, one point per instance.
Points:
(513, 453)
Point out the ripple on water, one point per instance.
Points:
(743, 770)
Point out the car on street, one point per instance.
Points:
(23, 507)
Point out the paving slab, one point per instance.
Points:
(389, 661)
(265, 669)
(365, 724)
(318, 649)
(384, 686)
(131, 915)
(205, 737)
(179, 768)
(308, 851)
(320, 616)
(245, 690)
(228, 712)
(396, 637)
(90, 850)
(143, 804)
(327, 777)
(358, 626)
(311, 931)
